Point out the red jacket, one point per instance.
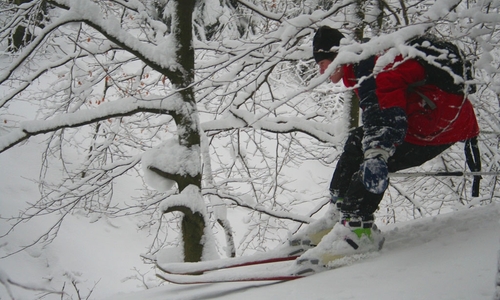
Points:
(451, 121)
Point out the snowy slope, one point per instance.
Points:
(99, 256)
(452, 256)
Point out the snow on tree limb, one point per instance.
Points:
(259, 207)
(244, 119)
(168, 162)
(123, 107)
(161, 57)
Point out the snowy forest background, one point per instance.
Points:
(207, 118)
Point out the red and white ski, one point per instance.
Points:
(188, 273)
(205, 266)
(227, 263)
(233, 277)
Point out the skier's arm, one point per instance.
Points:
(384, 124)
(384, 128)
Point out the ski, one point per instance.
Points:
(212, 265)
(300, 269)
(217, 278)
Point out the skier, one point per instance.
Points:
(399, 131)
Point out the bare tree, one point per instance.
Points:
(176, 64)
(236, 86)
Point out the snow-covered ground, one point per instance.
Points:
(451, 256)
(102, 257)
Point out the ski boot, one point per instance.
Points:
(313, 233)
(349, 238)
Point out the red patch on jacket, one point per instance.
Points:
(451, 121)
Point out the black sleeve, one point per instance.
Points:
(384, 128)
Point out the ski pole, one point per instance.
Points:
(442, 174)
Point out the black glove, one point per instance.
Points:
(375, 174)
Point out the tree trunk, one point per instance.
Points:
(187, 121)
(353, 110)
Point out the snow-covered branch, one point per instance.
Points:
(244, 119)
(124, 107)
(259, 208)
(161, 57)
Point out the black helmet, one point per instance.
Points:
(324, 39)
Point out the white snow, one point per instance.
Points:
(180, 160)
(451, 256)
(190, 197)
